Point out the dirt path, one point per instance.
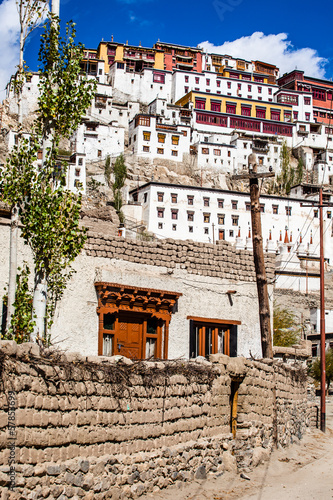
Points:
(303, 471)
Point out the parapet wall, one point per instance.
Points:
(74, 424)
(221, 260)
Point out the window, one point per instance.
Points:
(77, 172)
(249, 87)
(174, 152)
(229, 85)
(185, 133)
(218, 83)
(174, 227)
(143, 120)
(207, 81)
(234, 204)
(288, 211)
(185, 90)
(229, 154)
(174, 198)
(99, 153)
(215, 106)
(174, 214)
(205, 151)
(231, 233)
(200, 103)
(318, 94)
(307, 117)
(206, 230)
(270, 91)
(275, 115)
(190, 229)
(262, 207)
(80, 162)
(217, 152)
(329, 214)
(259, 90)
(160, 196)
(234, 220)
(231, 109)
(307, 101)
(247, 206)
(160, 151)
(186, 78)
(160, 225)
(190, 200)
(146, 136)
(146, 149)
(161, 138)
(245, 110)
(220, 219)
(196, 80)
(260, 112)
(208, 336)
(160, 213)
(315, 213)
(206, 218)
(221, 234)
(206, 202)
(220, 203)
(175, 140)
(275, 209)
(158, 77)
(190, 216)
(295, 115)
(261, 160)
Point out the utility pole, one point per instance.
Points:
(258, 254)
(321, 205)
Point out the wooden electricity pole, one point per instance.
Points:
(258, 255)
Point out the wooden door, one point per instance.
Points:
(129, 337)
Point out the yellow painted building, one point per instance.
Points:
(238, 106)
(135, 56)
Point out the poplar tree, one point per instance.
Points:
(49, 212)
(30, 13)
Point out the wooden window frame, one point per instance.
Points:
(214, 324)
(139, 304)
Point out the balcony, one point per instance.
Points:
(260, 146)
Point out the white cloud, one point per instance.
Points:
(9, 42)
(274, 49)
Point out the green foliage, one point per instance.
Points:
(108, 170)
(286, 329)
(22, 322)
(315, 371)
(299, 171)
(49, 213)
(120, 174)
(64, 94)
(285, 180)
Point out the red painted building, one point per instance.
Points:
(322, 92)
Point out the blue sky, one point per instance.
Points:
(290, 33)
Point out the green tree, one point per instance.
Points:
(22, 323)
(285, 180)
(286, 328)
(108, 170)
(49, 213)
(299, 171)
(120, 174)
(315, 371)
(30, 14)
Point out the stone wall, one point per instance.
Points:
(222, 260)
(106, 428)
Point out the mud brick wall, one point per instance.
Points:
(221, 260)
(99, 428)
